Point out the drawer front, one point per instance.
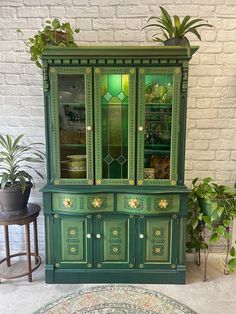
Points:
(148, 204)
(84, 203)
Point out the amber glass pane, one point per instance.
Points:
(72, 124)
(114, 101)
(158, 114)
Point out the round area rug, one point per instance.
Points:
(115, 299)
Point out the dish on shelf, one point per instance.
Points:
(66, 96)
(66, 173)
(77, 157)
(73, 165)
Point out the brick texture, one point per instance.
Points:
(211, 138)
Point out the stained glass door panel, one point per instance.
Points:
(72, 104)
(157, 127)
(114, 126)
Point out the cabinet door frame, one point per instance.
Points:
(131, 126)
(58, 240)
(99, 242)
(176, 72)
(54, 72)
(172, 243)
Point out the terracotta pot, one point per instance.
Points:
(14, 202)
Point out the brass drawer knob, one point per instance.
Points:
(97, 203)
(89, 128)
(141, 236)
(98, 236)
(163, 203)
(133, 203)
(67, 202)
(89, 236)
(140, 128)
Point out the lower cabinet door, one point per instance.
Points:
(73, 242)
(114, 241)
(157, 243)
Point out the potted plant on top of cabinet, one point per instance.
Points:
(175, 31)
(53, 34)
(16, 181)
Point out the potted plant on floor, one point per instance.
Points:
(175, 32)
(53, 34)
(212, 208)
(16, 182)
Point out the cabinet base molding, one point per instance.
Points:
(115, 276)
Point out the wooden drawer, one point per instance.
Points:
(148, 204)
(84, 203)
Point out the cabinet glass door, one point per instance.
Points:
(71, 98)
(115, 125)
(158, 118)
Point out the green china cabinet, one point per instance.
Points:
(115, 203)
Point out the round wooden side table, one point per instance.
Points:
(23, 219)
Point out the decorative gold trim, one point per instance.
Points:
(57, 265)
(88, 70)
(173, 266)
(140, 265)
(99, 265)
(131, 182)
(98, 181)
(131, 265)
(97, 71)
(56, 216)
(99, 216)
(90, 182)
(173, 182)
(174, 216)
(132, 71)
(89, 265)
(177, 70)
(56, 182)
(142, 71)
(157, 250)
(52, 69)
(140, 182)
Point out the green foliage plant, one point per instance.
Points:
(175, 28)
(53, 34)
(16, 160)
(221, 205)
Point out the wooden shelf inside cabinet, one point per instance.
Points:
(73, 145)
(76, 104)
(159, 105)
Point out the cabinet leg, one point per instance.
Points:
(36, 250)
(27, 232)
(7, 245)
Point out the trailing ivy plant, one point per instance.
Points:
(53, 34)
(212, 207)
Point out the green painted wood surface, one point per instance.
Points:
(82, 203)
(148, 204)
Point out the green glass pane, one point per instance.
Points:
(157, 131)
(72, 125)
(114, 126)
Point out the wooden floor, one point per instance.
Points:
(216, 296)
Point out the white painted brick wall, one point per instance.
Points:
(211, 139)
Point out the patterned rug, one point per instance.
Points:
(115, 299)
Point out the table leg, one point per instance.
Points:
(7, 245)
(27, 233)
(36, 251)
